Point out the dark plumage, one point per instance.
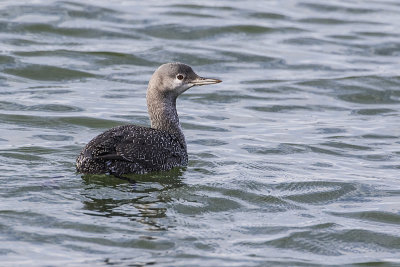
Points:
(136, 149)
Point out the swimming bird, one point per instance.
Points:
(138, 149)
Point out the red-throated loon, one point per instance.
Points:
(137, 149)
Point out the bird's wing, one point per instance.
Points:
(150, 150)
(145, 146)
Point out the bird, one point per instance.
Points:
(133, 149)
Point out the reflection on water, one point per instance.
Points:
(293, 159)
(132, 196)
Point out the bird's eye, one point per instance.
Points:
(179, 76)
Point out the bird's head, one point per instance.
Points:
(172, 79)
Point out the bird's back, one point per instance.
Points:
(132, 149)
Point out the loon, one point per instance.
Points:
(136, 149)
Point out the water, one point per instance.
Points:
(294, 158)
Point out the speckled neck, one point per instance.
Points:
(163, 114)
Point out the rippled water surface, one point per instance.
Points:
(294, 158)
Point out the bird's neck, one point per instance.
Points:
(163, 114)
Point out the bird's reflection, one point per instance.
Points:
(143, 201)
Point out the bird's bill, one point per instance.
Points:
(204, 81)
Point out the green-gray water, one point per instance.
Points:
(294, 158)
